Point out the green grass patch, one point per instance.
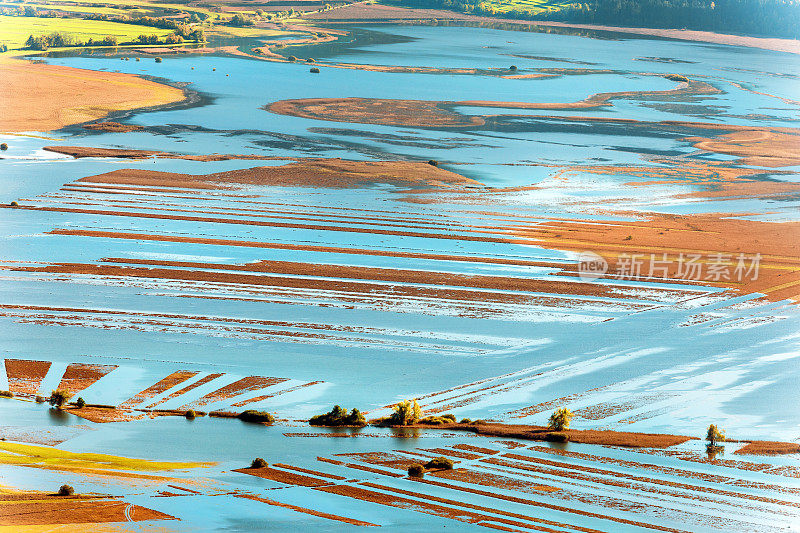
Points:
(14, 31)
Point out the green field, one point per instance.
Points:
(15, 30)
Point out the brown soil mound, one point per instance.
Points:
(113, 127)
(334, 173)
(283, 476)
(40, 97)
(765, 447)
(590, 436)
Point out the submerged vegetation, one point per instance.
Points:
(338, 416)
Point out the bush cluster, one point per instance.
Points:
(448, 418)
(258, 462)
(6, 394)
(256, 416)
(560, 418)
(59, 397)
(439, 463)
(66, 490)
(338, 416)
(416, 470)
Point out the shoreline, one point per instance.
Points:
(41, 97)
(405, 15)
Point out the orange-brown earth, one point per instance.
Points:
(79, 376)
(39, 97)
(24, 376)
(112, 127)
(20, 509)
(335, 173)
(428, 113)
(764, 447)
(123, 153)
(664, 245)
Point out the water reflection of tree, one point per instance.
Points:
(714, 451)
(400, 432)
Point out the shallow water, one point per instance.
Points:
(642, 357)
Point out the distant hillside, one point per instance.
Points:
(764, 18)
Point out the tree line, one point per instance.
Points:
(768, 18)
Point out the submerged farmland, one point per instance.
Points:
(611, 226)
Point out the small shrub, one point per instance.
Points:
(439, 463)
(433, 163)
(292, 58)
(41, 399)
(59, 397)
(338, 416)
(512, 67)
(314, 70)
(560, 418)
(256, 416)
(416, 470)
(556, 437)
(310, 60)
(258, 462)
(3, 146)
(451, 416)
(465, 421)
(436, 420)
(14, 204)
(159, 60)
(190, 414)
(676, 77)
(80, 403)
(6, 394)
(66, 490)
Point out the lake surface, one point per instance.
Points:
(640, 356)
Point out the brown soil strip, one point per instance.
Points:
(351, 521)
(315, 227)
(241, 386)
(570, 471)
(763, 447)
(25, 377)
(312, 472)
(316, 284)
(677, 472)
(778, 275)
(588, 436)
(476, 449)
(88, 151)
(479, 508)
(79, 376)
(550, 506)
(783, 471)
(331, 173)
(40, 97)
(277, 393)
(198, 383)
(47, 509)
(282, 476)
(388, 275)
(157, 388)
(112, 127)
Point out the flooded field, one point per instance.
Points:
(409, 223)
